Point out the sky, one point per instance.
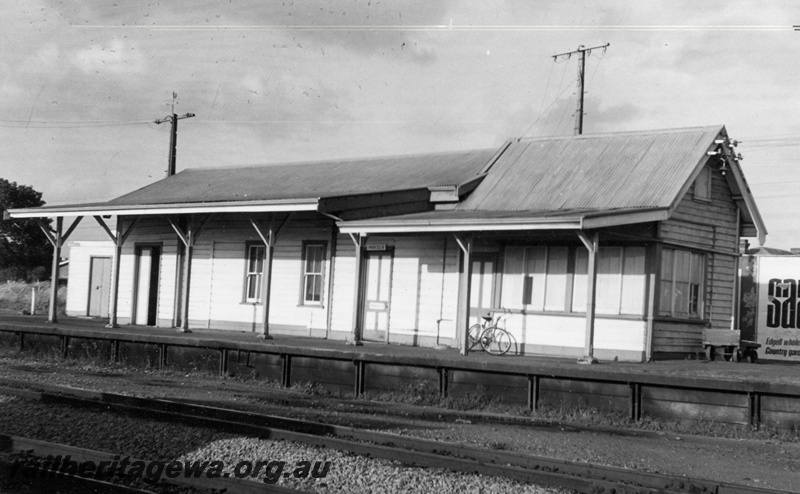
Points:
(81, 83)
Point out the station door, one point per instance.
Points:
(148, 261)
(99, 286)
(481, 298)
(377, 295)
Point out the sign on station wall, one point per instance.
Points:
(778, 321)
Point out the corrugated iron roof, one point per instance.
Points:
(312, 179)
(593, 172)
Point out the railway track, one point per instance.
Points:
(23, 450)
(32, 448)
(576, 476)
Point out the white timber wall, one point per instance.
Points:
(151, 231)
(80, 254)
(217, 298)
(344, 284)
(424, 289)
(565, 335)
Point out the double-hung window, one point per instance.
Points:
(255, 270)
(535, 278)
(313, 272)
(682, 275)
(620, 284)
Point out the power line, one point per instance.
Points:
(173, 136)
(549, 110)
(17, 124)
(581, 51)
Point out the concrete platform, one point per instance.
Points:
(723, 391)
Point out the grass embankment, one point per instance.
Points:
(15, 297)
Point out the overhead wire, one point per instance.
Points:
(560, 85)
(65, 124)
(548, 111)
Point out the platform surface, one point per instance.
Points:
(771, 374)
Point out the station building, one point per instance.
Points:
(611, 246)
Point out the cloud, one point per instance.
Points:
(114, 57)
(612, 118)
(361, 26)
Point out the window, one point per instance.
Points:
(702, 185)
(682, 274)
(538, 279)
(535, 278)
(255, 269)
(313, 272)
(620, 281)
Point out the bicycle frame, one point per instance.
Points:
(489, 335)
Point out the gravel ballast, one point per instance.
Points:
(150, 440)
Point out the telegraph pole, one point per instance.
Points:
(581, 51)
(173, 137)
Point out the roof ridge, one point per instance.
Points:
(625, 133)
(341, 160)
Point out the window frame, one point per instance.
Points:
(703, 191)
(259, 275)
(695, 300)
(304, 274)
(624, 254)
(631, 273)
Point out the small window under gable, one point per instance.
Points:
(702, 185)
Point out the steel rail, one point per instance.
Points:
(53, 479)
(42, 449)
(578, 476)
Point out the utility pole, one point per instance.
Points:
(581, 51)
(173, 137)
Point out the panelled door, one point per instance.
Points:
(148, 260)
(99, 286)
(377, 293)
(481, 297)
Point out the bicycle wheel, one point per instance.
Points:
(496, 341)
(474, 336)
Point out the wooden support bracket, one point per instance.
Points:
(361, 368)
(162, 356)
(223, 361)
(636, 401)
(533, 392)
(286, 370)
(48, 234)
(115, 351)
(443, 381)
(181, 235)
(71, 229)
(754, 409)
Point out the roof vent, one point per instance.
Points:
(444, 193)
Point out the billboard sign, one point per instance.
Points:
(778, 322)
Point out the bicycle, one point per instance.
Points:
(492, 338)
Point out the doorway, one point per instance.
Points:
(99, 286)
(145, 304)
(377, 294)
(481, 297)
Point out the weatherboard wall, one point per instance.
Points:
(424, 287)
(80, 259)
(153, 232)
(709, 227)
(217, 295)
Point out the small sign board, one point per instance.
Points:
(376, 247)
(377, 305)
